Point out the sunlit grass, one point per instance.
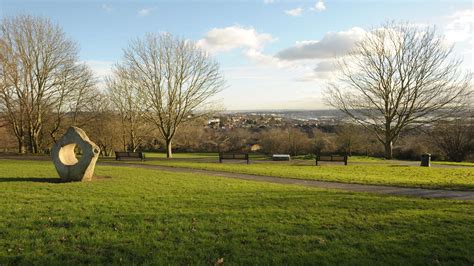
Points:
(151, 217)
(187, 155)
(379, 174)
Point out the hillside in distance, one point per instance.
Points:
(303, 115)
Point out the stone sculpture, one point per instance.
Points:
(64, 158)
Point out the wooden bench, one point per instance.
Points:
(281, 157)
(234, 156)
(331, 158)
(125, 154)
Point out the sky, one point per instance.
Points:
(274, 54)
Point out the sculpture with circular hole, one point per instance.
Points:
(69, 167)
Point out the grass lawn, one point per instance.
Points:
(184, 155)
(453, 163)
(380, 174)
(144, 216)
(258, 156)
(197, 155)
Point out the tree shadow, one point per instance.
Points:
(31, 179)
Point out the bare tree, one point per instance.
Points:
(349, 138)
(176, 80)
(397, 78)
(274, 140)
(127, 100)
(103, 129)
(39, 75)
(455, 138)
(298, 141)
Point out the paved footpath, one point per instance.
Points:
(390, 190)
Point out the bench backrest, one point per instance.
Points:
(324, 158)
(138, 154)
(337, 158)
(281, 155)
(243, 156)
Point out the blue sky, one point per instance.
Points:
(273, 53)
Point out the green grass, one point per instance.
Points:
(258, 156)
(184, 155)
(379, 174)
(150, 217)
(196, 155)
(453, 163)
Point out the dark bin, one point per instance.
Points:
(426, 160)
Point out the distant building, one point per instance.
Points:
(214, 120)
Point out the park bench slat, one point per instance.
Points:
(124, 154)
(234, 156)
(281, 157)
(331, 158)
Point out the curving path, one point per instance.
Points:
(389, 190)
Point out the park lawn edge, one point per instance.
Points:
(214, 167)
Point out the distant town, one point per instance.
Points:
(263, 119)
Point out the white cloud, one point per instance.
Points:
(107, 8)
(319, 6)
(459, 30)
(101, 69)
(316, 65)
(324, 70)
(460, 26)
(332, 44)
(296, 12)
(325, 66)
(145, 11)
(229, 38)
(268, 1)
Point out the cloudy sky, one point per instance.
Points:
(275, 54)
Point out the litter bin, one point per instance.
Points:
(426, 160)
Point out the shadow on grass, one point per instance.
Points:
(31, 179)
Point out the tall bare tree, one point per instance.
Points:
(39, 74)
(176, 80)
(127, 100)
(455, 138)
(397, 78)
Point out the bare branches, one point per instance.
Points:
(399, 78)
(174, 78)
(40, 76)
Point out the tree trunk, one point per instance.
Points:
(33, 136)
(37, 142)
(169, 153)
(21, 146)
(133, 144)
(388, 150)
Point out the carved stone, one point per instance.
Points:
(64, 158)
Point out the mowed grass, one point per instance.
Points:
(187, 155)
(378, 174)
(197, 155)
(151, 217)
(259, 156)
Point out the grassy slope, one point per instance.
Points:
(145, 216)
(359, 159)
(187, 155)
(196, 155)
(381, 174)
